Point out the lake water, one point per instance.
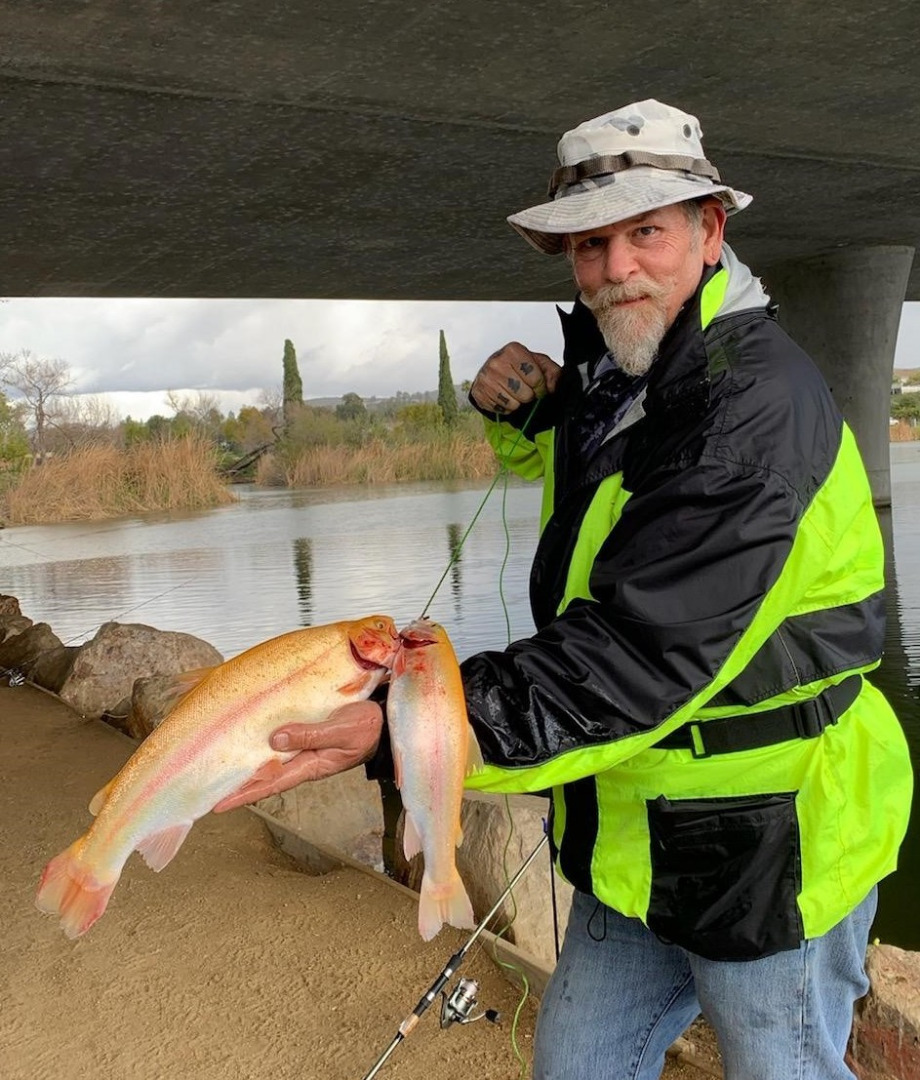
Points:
(277, 560)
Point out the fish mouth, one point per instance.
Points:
(415, 642)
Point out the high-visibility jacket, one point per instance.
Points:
(708, 549)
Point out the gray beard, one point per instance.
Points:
(633, 348)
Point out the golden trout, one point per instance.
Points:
(212, 743)
(433, 748)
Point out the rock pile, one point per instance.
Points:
(114, 676)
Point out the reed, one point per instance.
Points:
(97, 482)
(447, 457)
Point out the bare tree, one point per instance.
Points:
(272, 402)
(39, 382)
(200, 409)
(83, 420)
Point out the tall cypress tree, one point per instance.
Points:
(447, 395)
(292, 387)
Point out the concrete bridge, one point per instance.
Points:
(372, 149)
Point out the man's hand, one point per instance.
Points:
(348, 738)
(513, 376)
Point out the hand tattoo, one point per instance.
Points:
(514, 385)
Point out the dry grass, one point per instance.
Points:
(904, 431)
(451, 457)
(98, 482)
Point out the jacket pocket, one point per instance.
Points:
(725, 874)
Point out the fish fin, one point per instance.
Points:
(397, 765)
(439, 904)
(412, 841)
(158, 849)
(269, 771)
(356, 685)
(98, 800)
(399, 664)
(182, 684)
(474, 762)
(70, 889)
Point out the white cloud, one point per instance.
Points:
(369, 347)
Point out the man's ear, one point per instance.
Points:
(713, 230)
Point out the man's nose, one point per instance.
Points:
(619, 259)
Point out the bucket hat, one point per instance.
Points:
(626, 162)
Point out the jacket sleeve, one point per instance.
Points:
(692, 580)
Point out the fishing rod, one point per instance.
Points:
(456, 1007)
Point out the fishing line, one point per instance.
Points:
(502, 471)
(134, 607)
(19, 677)
(22, 547)
(525, 983)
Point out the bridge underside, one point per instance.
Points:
(189, 149)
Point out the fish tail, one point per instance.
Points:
(70, 889)
(440, 903)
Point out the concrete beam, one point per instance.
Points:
(844, 308)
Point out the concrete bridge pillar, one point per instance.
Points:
(844, 308)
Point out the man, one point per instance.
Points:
(728, 787)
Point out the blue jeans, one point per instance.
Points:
(619, 997)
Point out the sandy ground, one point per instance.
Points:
(231, 963)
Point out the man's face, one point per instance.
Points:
(636, 275)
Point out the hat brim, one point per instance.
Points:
(632, 192)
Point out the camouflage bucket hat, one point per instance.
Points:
(627, 162)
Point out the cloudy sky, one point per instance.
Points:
(134, 350)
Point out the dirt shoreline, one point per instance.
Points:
(233, 963)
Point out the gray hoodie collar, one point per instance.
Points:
(745, 292)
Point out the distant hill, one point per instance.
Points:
(376, 403)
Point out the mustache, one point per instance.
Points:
(616, 293)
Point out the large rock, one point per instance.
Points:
(345, 813)
(9, 605)
(10, 625)
(52, 668)
(105, 668)
(341, 812)
(886, 1032)
(487, 859)
(23, 650)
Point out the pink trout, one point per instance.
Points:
(433, 748)
(213, 742)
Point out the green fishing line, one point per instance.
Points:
(502, 473)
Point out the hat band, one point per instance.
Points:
(605, 164)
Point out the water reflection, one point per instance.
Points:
(303, 571)
(454, 545)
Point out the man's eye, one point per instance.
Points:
(647, 230)
(590, 245)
